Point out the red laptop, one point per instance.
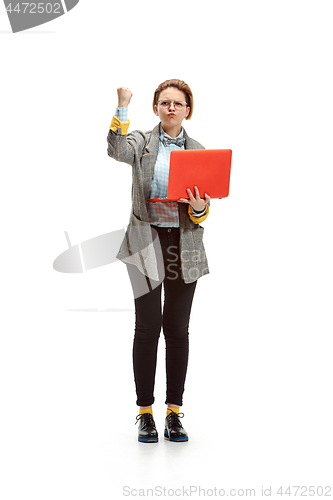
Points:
(208, 169)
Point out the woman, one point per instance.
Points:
(163, 247)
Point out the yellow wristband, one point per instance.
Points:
(195, 219)
(116, 123)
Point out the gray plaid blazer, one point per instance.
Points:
(140, 150)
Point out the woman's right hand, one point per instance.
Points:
(124, 96)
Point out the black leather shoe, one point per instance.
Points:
(174, 430)
(147, 432)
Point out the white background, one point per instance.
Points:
(258, 398)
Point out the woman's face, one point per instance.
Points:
(171, 117)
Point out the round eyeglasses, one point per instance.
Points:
(179, 105)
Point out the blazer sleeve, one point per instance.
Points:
(125, 147)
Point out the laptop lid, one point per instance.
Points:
(208, 169)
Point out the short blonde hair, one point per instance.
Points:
(180, 85)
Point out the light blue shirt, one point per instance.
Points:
(161, 214)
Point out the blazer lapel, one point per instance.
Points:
(189, 143)
(149, 159)
(153, 144)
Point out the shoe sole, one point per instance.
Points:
(175, 440)
(150, 440)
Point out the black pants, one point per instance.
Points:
(149, 319)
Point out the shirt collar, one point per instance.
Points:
(163, 133)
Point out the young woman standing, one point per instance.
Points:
(163, 248)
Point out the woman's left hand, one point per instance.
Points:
(197, 203)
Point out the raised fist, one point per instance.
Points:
(124, 96)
